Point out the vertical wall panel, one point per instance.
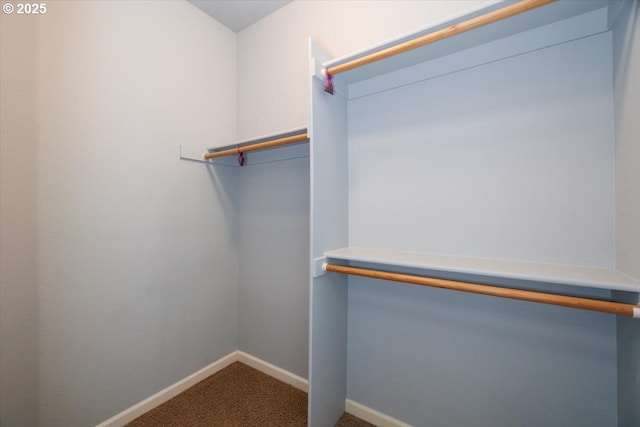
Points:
(329, 199)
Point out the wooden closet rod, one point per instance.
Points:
(540, 297)
(441, 34)
(258, 146)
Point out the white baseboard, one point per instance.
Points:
(371, 415)
(128, 415)
(354, 408)
(273, 371)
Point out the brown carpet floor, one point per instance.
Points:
(237, 396)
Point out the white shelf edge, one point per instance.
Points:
(318, 267)
(192, 153)
(263, 138)
(590, 277)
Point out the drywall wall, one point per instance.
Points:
(18, 279)
(628, 341)
(273, 253)
(627, 64)
(273, 95)
(521, 158)
(626, 60)
(136, 258)
(434, 357)
(273, 52)
(477, 138)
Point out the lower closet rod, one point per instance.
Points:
(540, 297)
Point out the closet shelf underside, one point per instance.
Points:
(591, 277)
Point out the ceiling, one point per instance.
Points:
(238, 14)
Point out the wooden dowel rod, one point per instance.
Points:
(441, 34)
(540, 297)
(258, 146)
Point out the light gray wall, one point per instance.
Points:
(510, 159)
(18, 239)
(273, 253)
(491, 167)
(626, 45)
(628, 339)
(137, 259)
(626, 54)
(434, 357)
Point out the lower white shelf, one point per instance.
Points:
(601, 278)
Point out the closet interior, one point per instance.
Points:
(267, 199)
(498, 150)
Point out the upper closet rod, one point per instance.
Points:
(435, 36)
(540, 297)
(258, 146)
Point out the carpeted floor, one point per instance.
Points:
(237, 396)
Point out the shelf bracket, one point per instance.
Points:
(318, 266)
(241, 158)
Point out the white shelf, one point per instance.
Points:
(601, 278)
(263, 138)
(291, 151)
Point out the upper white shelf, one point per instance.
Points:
(271, 148)
(538, 17)
(601, 278)
(260, 139)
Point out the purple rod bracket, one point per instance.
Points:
(240, 157)
(328, 82)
